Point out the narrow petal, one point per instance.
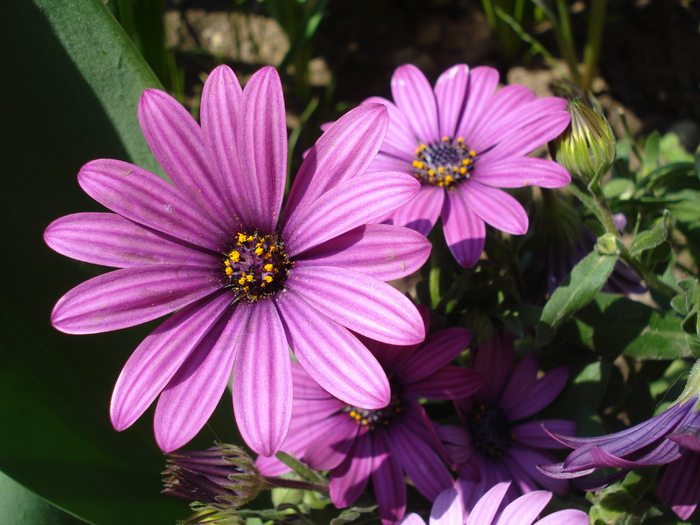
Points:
(482, 84)
(527, 459)
(486, 508)
(131, 296)
(465, 232)
(111, 240)
(177, 143)
(543, 392)
(451, 382)
(524, 140)
(495, 207)
(439, 349)
(502, 105)
(345, 150)
(332, 356)
(532, 433)
(145, 198)
(328, 450)
(262, 149)
(451, 94)
(399, 139)
(348, 481)
(388, 480)
(447, 509)
(262, 380)
(359, 302)
(352, 203)
(525, 509)
(422, 212)
(191, 396)
(494, 360)
(381, 251)
(519, 384)
(565, 517)
(158, 358)
(408, 519)
(517, 172)
(415, 98)
(221, 99)
(679, 485)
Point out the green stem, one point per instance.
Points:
(565, 39)
(594, 39)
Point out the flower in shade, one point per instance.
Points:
(671, 438)
(463, 140)
(494, 444)
(490, 510)
(357, 444)
(246, 281)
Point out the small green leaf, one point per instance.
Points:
(649, 239)
(618, 188)
(351, 514)
(580, 288)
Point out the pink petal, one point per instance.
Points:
(486, 508)
(388, 480)
(544, 391)
(342, 152)
(465, 232)
(348, 481)
(262, 149)
(422, 212)
(451, 93)
(158, 358)
(352, 203)
(399, 140)
(517, 172)
(522, 141)
(111, 240)
(532, 434)
(483, 81)
(518, 387)
(438, 350)
(414, 97)
(447, 509)
(332, 356)
(131, 296)
(501, 108)
(221, 99)
(525, 509)
(527, 459)
(679, 487)
(145, 198)
(495, 207)
(565, 517)
(379, 250)
(329, 449)
(359, 302)
(262, 380)
(451, 382)
(176, 141)
(191, 396)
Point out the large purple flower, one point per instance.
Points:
(672, 437)
(245, 283)
(493, 445)
(462, 141)
(356, 444)
(490, 510)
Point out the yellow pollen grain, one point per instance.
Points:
(268, 278)
(431, 172)
(445, 139)
(460, 140)
(466, 162)
(463, 171)
(418, 164)
(441, 170)
(269, 267)
(259, 251)
(242, 237)
(472, 153)
(241, 280)
(228, 270)
(235, 256)
(249, 278)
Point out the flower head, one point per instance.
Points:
(246, 281)
(490, 510)
(385, 444)
(463, 141)
(672, 437)
(493, 444)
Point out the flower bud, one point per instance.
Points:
(587, 147)
(223, 476)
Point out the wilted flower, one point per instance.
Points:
(246, 283)
(463, 141)
(385, 444)
(490, 510)
(493, 444)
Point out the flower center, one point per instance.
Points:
(375, 418)
(490, 430)
(444, 162)
(256, 266)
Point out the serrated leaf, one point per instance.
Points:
(583, 284)
(649, 239)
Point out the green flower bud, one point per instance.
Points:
(223, 476)
(587, 147)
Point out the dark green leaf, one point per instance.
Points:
(582, 285)
(649, 239)
(351, 514)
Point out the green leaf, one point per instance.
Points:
(351, 514)
(622, 188)
(582, 285)
(649, 239)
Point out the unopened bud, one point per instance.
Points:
(587, 147)
(223, 476)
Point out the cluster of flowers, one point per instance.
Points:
(247, 280)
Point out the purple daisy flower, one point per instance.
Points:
(671, 437)
(246, 283)
(463, 140)
(490, 510)
(494, 445)
(356, 444)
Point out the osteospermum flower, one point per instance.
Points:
(463, 140)
(357, 444)
(670, 438)
(246, 283)
(490, 510)
(494, 444)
